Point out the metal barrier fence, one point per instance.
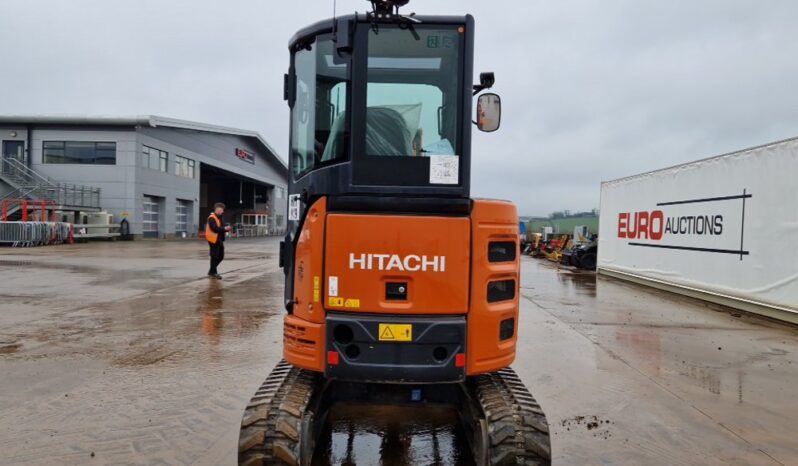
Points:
(246, 231)
(27, 234)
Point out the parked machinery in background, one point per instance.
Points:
(554, 246)
(585, 255)
(568, 253)
(533, 243)
(522, 235)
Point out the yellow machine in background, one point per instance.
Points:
(553, 251)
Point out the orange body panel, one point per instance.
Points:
(491, 221)
(303, 343)
(303, 331)
(309, 265)
(328, 244)
(430, 254)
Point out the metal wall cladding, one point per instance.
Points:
(726, 225)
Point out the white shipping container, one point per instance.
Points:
(724, 229)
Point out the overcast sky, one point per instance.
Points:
(592, 90)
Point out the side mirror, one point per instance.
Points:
(489, 112)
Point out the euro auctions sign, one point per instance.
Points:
(725, 226)
(714, 225)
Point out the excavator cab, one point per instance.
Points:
(399, 287)
(374, 101)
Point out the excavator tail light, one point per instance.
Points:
(459, 360)
(333, 358)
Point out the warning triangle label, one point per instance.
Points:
(387, 334)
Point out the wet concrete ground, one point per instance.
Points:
(630, 375)
(391, 436)
(125, 351)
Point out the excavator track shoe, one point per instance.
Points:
(517, 430)
(271, 428)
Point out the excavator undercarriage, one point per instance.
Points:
(503, 423)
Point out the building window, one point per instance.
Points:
(279, 193)
(255, 219)
(279, 221)
(79, 152)
(154, 159)
(184, 167)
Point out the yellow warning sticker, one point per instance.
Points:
(396, 332)
(352, 303)
(316, 289)
(332, 301)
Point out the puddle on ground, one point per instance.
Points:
(392, 436)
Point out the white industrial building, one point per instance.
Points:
(162, 175)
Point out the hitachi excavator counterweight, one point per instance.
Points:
(400, 288)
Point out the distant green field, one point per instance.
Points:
(563, 225)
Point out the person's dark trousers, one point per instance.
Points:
(217, 256)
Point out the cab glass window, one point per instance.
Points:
(412, 91)
(319, 126)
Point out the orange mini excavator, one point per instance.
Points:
(399, 287)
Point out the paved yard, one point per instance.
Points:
(127, 352)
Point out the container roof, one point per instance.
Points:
(700, 161)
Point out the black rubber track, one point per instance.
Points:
(271, 429)
(517, 429)
(271, 426)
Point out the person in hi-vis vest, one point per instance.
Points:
(215, 231)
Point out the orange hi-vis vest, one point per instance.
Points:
(211, 235)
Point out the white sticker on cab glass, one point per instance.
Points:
(444, 169)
